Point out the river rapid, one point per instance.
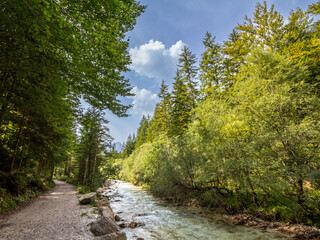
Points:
(158, 219)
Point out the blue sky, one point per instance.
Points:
(160, 33)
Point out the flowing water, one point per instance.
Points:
(160, 220)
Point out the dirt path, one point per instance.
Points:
(53, 215)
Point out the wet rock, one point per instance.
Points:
(106, 211)
(274, 224)
(87, 198)
(104, 225)
(117, 218)
(139, 238)
(141, 214)
(241, 219)
(301, 231)
(113, 236)
(103, 203)
(251, 224)
(133, 224)
(122, 225)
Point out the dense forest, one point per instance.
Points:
(240, 129)
(55, 55)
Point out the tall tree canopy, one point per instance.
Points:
(53, 54)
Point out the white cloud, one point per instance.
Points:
(144, 101)
(154, 60)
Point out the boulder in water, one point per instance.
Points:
(117, 218)
(103, 226)
(122, 225)
(87, 198)
(133, 224)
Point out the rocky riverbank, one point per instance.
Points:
(104, 216)
(99, 216)
(296, 231)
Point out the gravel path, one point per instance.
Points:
(53, 215)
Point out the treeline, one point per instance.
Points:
(241, 131)
(53, 55)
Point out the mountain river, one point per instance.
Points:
(161, 220)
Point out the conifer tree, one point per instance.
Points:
(142, 131)
(181, 106)
(188, 73)
(211, 75)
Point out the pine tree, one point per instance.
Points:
(181, 106)
(211, 68)
(142, 131)
(188, 72)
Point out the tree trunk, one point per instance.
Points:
(41, 160)
(85, 171)
(52, 170)
(22, 151)
(16, 147)
(94, 167)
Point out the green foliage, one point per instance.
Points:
(84, 214)
(252, 143)
(83, 189)
(142, 133)
(54, 54)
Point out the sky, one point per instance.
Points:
(160, 34)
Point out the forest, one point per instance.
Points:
(56, 54)
(240, 129)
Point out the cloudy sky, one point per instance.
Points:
(161, 32)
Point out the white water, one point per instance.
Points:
(160, 220)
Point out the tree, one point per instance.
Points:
(184, 95)
(211, 66)
(264, 30)
(142, 132)
(129, 146)
(93, 142)
(54, 53)
(188, 73)
(181, 106)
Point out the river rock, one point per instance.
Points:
(113, 236)
(133, 224)
(117, 218)
(106, 211)
(103, 203)
(104, 225)
(87, 198)
(122, 225)
(141, 214)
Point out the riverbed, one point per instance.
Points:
(158, 219)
